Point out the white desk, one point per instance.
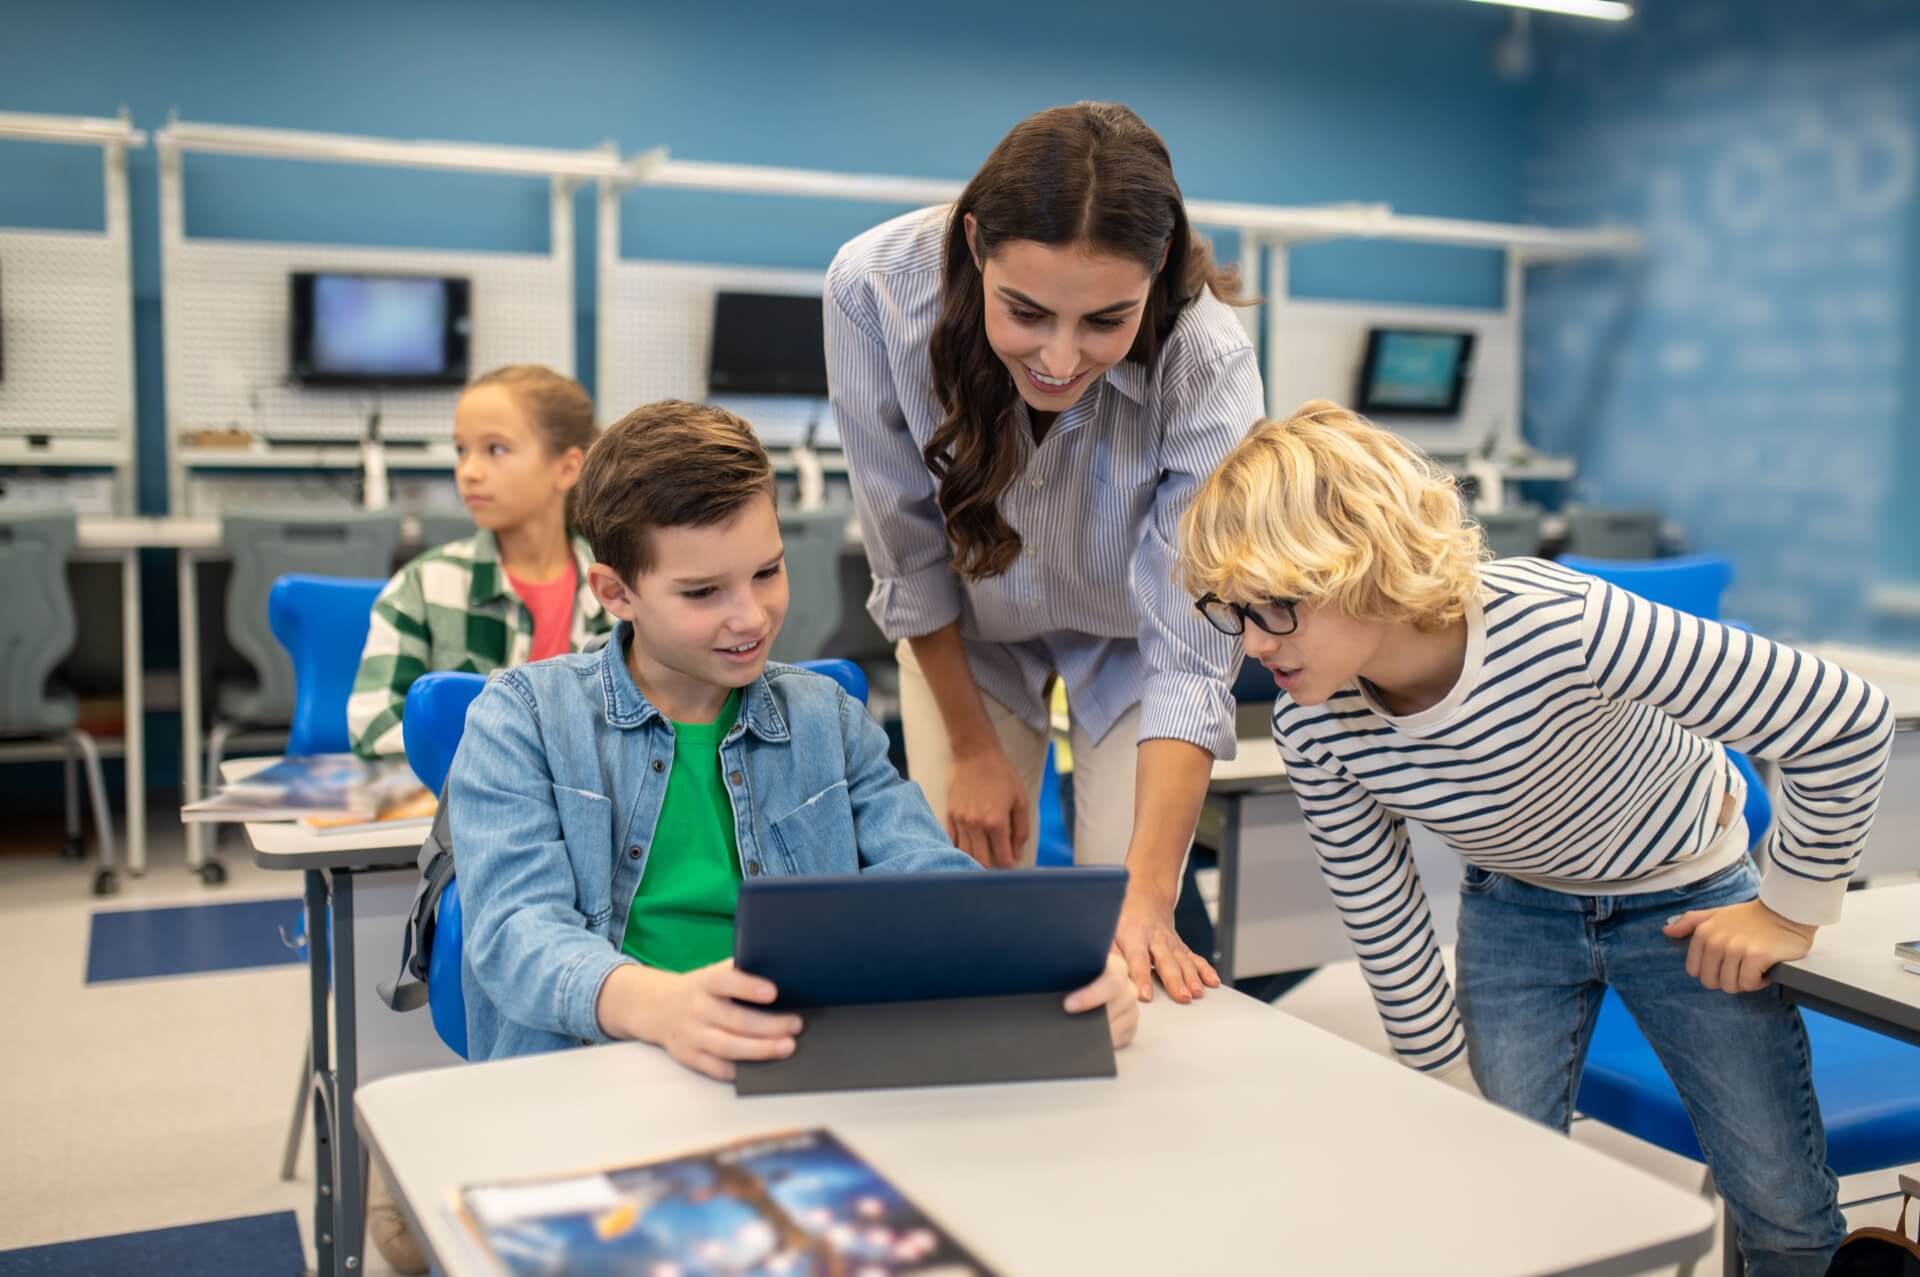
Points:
(1275, 914)
(1852, 973)
(365, 949)
(120, 540)
(1236, 1139)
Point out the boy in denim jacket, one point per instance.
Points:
(607, 804)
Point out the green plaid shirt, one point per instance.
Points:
(452, 608)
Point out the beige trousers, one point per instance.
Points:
(1103, 774)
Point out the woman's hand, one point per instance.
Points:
(1147, 941)
(987, 811)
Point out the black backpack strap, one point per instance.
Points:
(407, 991)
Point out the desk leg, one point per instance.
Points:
(191, 759)
(133, 673)
(1223, 931)
(323, 1177)
(350, 1163)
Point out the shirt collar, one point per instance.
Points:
(628, 707)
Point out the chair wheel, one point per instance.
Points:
(106, 883)
(73, 849)
(213, 873)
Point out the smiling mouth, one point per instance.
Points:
(743, 649)
(1051, 385)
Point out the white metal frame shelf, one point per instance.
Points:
(563, 170)
(1266, 232)
(119, 453)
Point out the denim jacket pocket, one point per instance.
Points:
(817, 836)
(586, 825)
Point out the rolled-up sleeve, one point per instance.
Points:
(1190, 665)
(914, 589)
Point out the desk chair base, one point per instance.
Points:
(106, 879)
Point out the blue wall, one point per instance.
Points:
(1294, 102)
(1755, 376)
(1381, 100)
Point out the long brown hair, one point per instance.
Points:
(1089, 173)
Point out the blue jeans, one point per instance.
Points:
(1533, 964)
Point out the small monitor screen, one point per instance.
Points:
(380, 329)
(1408, 371)
(767, 344)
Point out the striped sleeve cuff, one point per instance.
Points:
(1194, 708)
(916, 604)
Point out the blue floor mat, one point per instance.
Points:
(138, 944)
(256, 1245)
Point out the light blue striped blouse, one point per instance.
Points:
(1583, 749)
(1093, 596)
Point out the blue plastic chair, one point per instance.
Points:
(1693, 583)
(431, 724)
(322, 622)
(1863, 1079)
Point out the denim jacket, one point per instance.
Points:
(554, 796)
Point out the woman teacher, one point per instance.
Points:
(1030, 385)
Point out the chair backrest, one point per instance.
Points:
(1693, 583)
(843, 672)
(322, 622)
(1613, 534)
(437, 527)
(265, 547)
(36, 625)
(1510, 534)
(814, 540)
(433, 719)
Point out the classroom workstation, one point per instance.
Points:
(738, 654)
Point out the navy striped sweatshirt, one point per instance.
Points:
(1583, 748)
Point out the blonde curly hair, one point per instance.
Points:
(1331, 509)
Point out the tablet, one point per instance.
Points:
(898, 937)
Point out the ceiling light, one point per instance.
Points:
(1605, 10)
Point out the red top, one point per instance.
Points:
(551, 603)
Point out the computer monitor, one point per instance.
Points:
(1414, 372)
(767, 344)
(379, 330)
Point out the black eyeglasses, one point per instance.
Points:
(1276, 616)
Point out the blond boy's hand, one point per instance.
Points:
(1733, 948)
(700, 1022)
(1114, 991)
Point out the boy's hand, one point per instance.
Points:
(701, 1023)
(1114, 991)
(1733, 948)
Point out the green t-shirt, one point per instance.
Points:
(682, 914)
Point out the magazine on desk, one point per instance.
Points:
(794, 1204)
(337, 792)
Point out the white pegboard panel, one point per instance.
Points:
(1315, 350)
(230, 344)
(657, 333)
(65, 331)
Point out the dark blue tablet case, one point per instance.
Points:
(930, 979)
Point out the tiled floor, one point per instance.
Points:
(148, 1103)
